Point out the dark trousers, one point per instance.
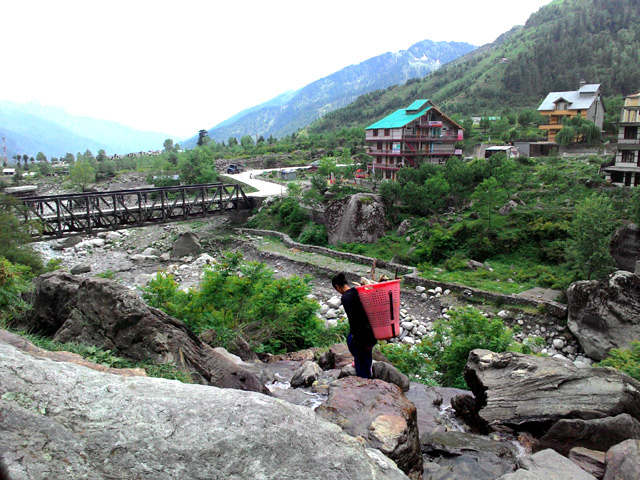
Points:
(363, 358)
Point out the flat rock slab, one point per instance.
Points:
(548, 465)
(520, 390)
(59, 420)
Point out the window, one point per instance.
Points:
(630, 133)
(387, 132)
(628, 157)
(379, 145)
(375, 132)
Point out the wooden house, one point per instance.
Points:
(586, 102)
(626, 169)
(411, 136)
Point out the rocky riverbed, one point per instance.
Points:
(132, 257)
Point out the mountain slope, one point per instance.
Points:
(61, 132)
(339, 89)
(562, 43)
(28, 134)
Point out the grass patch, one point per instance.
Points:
(106, 357)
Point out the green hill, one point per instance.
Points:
(564, 42)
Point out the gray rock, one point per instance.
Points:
(420, 289)
(79, 269)
(598, 434)
(605, 315)
(65, 243)
(473, 265)
(623, 461)
(548, 465)
(403, 228)
(114, 236)
(465, 456)
(331, 313)
(150, 252)
(165, 257)
(100, 312)
(138, 257)
(389, 373)
(188, 243)
(515, 389)
(558, 343)
(59, 420)
(307, 374)
(591, 461)
(357, 218)
(507, 208)
(625, 247)
(334, 302)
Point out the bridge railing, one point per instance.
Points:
(61, 215)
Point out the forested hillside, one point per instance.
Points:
(564, 42)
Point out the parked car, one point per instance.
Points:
(234, 168)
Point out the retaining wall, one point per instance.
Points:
(410, 274)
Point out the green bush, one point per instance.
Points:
(626, 360)
(454, 338)
(243, 299)
(14, 280)
(410, 361)
(313, 234)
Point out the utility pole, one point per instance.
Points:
(4, 151)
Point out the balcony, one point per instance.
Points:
(383, 166)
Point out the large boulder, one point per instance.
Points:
(531, 392)
(357, 218)
(598, 434)
(605, 315)
(623, 461)
(101, 312)
(188, 243)
(378, 412)
(625, 247)
(59, 420)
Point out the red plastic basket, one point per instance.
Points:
(381, 301)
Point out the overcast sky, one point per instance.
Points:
(176, 67)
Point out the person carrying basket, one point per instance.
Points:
(361, 338)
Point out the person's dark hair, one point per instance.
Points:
(339, 279)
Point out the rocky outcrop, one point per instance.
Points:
(625, 247)
(59, 420)
(532, 393)
(100, 312)
(378, 412)
(307, 374)
(357, 218)
(599, 434)
(605, 315)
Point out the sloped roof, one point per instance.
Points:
(580, 99)
(401, 117)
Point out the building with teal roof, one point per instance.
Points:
(410, 136)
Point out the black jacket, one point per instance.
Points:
(359, 326)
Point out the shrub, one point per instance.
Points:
(313, 234)
(13, 282)
(410, 361)
(238, 298)
(454, 338)
(626, 360)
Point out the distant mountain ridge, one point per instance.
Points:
(562, 43)
(32, 128)
(289, 112)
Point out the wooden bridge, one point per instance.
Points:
(85, 213)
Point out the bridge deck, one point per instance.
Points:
(64, 215)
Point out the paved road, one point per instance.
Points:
(265, 189)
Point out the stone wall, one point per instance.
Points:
(410, 274)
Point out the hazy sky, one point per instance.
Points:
(176, 67)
